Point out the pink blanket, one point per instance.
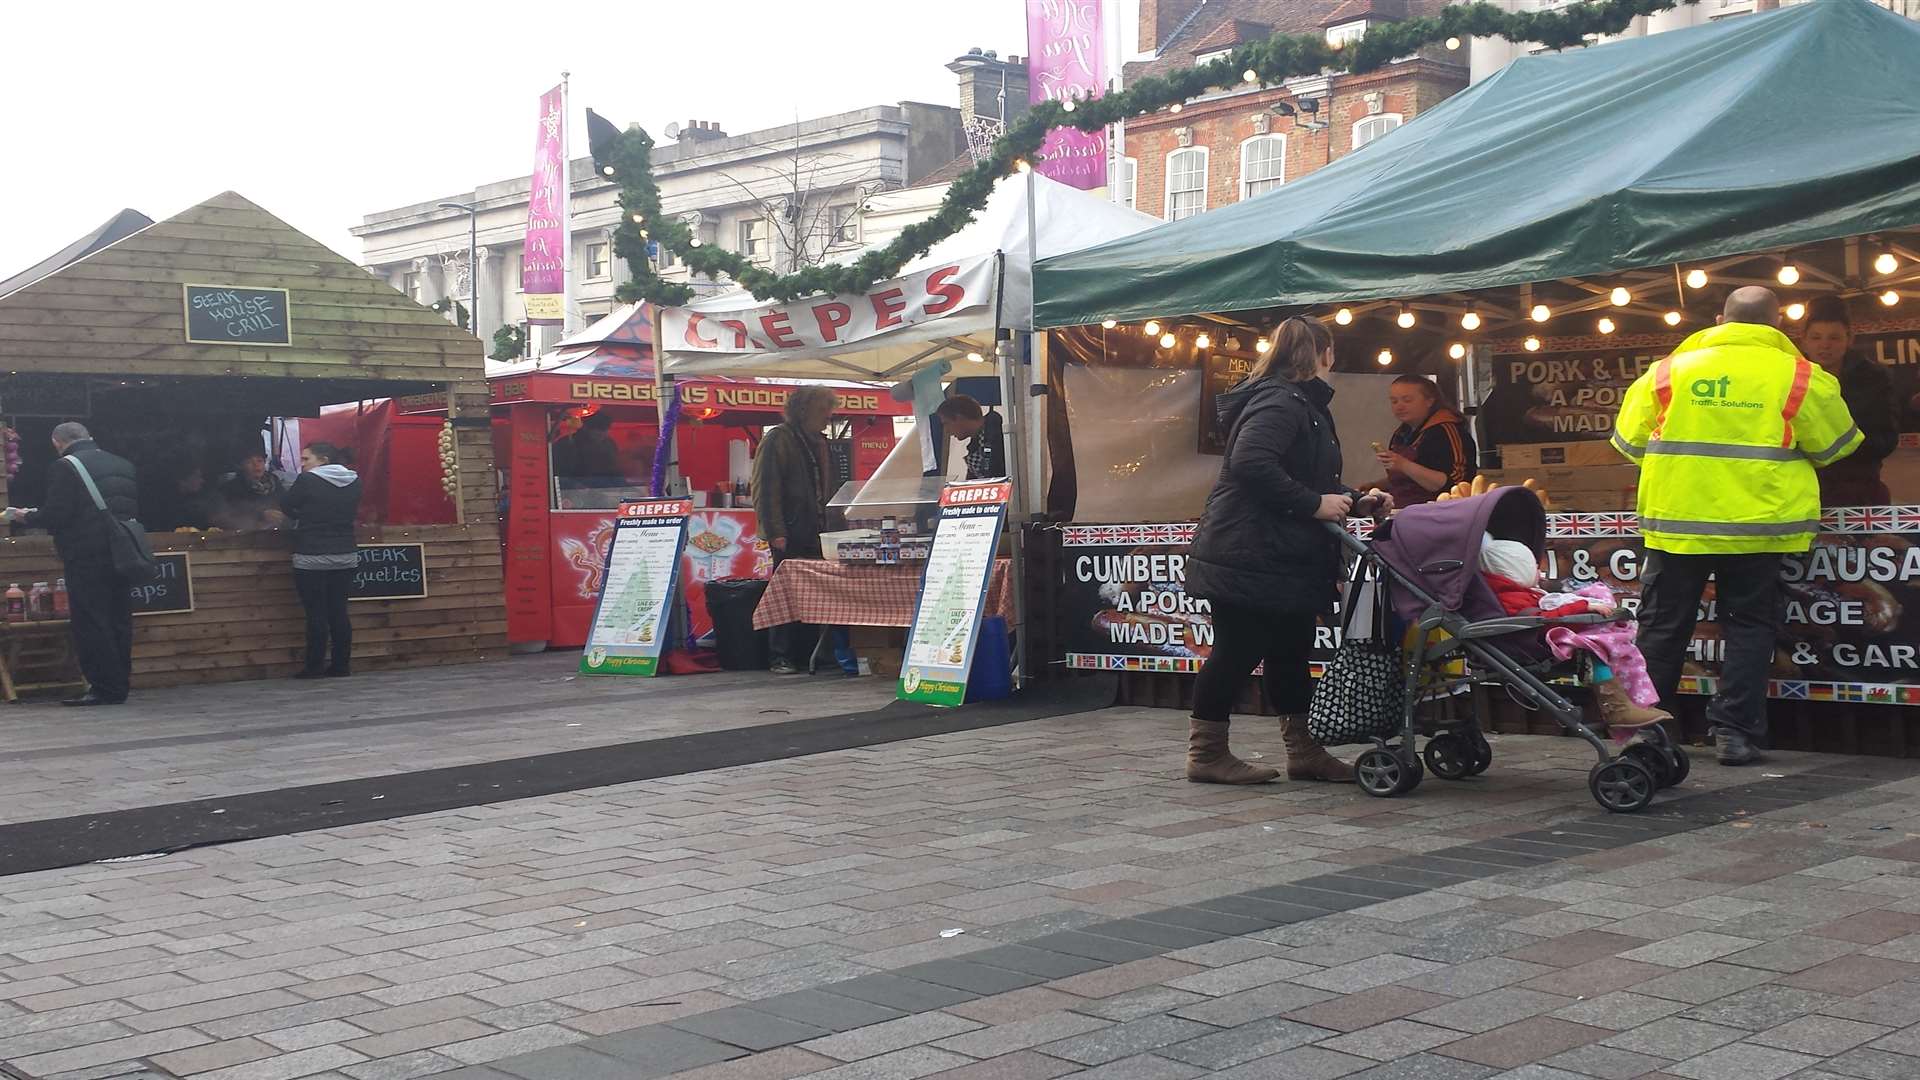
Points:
(1613, 643)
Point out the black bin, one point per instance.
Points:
(730, 602)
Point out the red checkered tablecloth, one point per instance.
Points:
(827, 593)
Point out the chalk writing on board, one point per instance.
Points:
(237, 315)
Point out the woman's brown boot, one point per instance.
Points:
(1209, 761)
(1617, 710)
(1308, 760)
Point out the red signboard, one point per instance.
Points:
(720, 544)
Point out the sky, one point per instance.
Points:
(322, 112)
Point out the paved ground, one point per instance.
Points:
(798, 917)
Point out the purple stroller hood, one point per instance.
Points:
(1437, 547)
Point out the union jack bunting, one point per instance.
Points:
(1098, 535)
(1874, 519)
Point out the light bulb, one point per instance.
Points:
(1203, 341)
(1606, 325)
(1541, 313)
(1532, 344)
(1022, 166)
(1067, 105)
(1696, 278)
(976, 358)
(1620, 296)
(1262, 345)
(1470, 321)
(1406, 319)
(1886, 263)
(1166, 340)
(693, 242)
(1789, 274)
(1457, 351)
(1108, 324)
(639, 219)
(1453, 43)
(1151, 328)
(1796, 311)
(1344, 316)
(607, 169)
(1890, 298)
(1385, 357)
(1175, 107)
(1250, 75)
(1672, 318)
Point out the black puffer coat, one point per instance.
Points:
(1258, 545)
(79, 532)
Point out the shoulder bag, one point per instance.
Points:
(126, 540)
(1363, 692)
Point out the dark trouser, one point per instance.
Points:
(1242, 639)
(102, 628)
(324, 594)
(794, 642)
(1748, 597)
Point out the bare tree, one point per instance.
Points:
(800, 197)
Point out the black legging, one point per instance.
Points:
(1243, 638)
(324, 594)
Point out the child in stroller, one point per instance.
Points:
(1430, 558)
(1621, 689)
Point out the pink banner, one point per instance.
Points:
(543, 270)
(1067, 59)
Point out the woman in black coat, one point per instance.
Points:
(1263, 557)
(323, 503)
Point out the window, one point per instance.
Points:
(1263, 164)
(1346, 33)
(1373, 127)
(416, 288)
(1186, 182)
(1129, 181)
(1202, 59)
(662, 258)
(843, 223)
(753, 238)
(599, 262)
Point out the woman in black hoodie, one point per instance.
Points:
(323, 503)
(1262, 555)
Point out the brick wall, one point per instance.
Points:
(1222, 125)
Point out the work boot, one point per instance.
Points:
(1210, 762)
(1737, 749)
(1617, 710)
(1307, 759)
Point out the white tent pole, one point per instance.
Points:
(1012, 387)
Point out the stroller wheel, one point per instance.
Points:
(1622, 785)
(1482, 752)
(1449, 756)
(1383, 773)
(1664, 772)
(1682, 764)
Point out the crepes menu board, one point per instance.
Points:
(946, 620)
(637, 587)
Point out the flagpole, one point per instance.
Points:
(566, 207)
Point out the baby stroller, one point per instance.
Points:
(1428, 557)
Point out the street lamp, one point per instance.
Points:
(473, 264)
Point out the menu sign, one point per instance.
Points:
(946, 621)
(236, 315)
(1219, 373)
(637, 583)
(390, 572)
(170, 591)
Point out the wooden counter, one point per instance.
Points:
(247, 622)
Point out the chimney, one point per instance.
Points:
(701, 131)
(981, 72)
(1160, 18)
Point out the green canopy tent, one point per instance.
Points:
(1757, 133)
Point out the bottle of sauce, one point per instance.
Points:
(62, 607)
(40, 601)
(16, 603)
(889, 542)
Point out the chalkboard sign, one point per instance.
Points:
(390, 572)
(237, 315)
(171, 592)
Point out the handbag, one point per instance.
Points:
(126, 540)
(1362, 695)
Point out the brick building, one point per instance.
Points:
(1242, 142)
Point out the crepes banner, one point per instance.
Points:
(824, 324)
(1851, 628)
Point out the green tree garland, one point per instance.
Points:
(509, 343)
(627, 157)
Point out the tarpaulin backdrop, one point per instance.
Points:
(1742, 136)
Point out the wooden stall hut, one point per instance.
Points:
(175, 344)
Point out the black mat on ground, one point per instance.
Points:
(73, 841)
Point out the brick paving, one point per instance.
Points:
(796, 918)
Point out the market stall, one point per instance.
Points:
(1439, 251)
(962, 311)
(174, 343)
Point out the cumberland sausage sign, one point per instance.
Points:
(828, 323)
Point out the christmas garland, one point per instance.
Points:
(509, 342)
(626, 157)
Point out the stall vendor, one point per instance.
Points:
(251, 493)
(1430, 451)
(187, 502)
(1868, 390)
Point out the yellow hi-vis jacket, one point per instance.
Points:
(1727, 432)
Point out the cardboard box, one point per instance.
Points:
(881, 649)
(1592, 452)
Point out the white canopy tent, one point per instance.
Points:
(945, 304)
